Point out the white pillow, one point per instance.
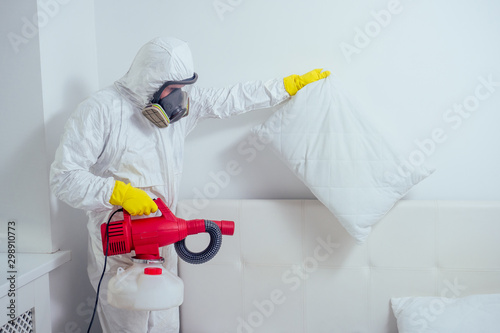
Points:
(476, 313)
(345, 162)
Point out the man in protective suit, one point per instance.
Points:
(113, 154)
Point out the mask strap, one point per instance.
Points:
(156, 96)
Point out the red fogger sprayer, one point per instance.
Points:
(146, 235)
(146, 284)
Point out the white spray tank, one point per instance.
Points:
(146, 285)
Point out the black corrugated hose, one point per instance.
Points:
(201, 257)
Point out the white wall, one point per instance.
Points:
(24, 196)
(418, 63)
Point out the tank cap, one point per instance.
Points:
(152, 271)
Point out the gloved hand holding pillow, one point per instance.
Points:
(294, 83)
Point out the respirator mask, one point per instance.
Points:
(171, 108)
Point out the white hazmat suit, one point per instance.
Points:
(107, 138)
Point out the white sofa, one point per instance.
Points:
(291, 267)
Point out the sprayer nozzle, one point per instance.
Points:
(226, 227)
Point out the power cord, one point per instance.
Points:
(104, 269)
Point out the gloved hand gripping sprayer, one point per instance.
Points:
(146, 285)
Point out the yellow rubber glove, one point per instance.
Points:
(294, 83)
(133, 200)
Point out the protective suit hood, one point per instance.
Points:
(159, 60)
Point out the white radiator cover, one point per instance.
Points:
(291, 267)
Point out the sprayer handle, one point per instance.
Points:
(165, 211)
(126, 216)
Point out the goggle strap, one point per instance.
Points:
(156, 96)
